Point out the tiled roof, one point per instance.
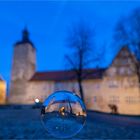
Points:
(66, 75)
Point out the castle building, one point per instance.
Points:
(2, 91)
(114, 89)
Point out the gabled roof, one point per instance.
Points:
(124, 52)
(66, 75)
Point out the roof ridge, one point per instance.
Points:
(69, 70)
(66, 75)
(117, 54)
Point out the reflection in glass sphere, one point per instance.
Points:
(63, 114)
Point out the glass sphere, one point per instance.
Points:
(63, 114)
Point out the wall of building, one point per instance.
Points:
(2, 92)
(38, 90)
(70, 85)
(123, 92)
(118, 91)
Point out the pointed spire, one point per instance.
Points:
(25, 35)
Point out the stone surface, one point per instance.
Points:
(25, 123)
(23, 68)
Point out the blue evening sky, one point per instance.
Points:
(48, 23)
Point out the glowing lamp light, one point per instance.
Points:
(36, 100)
(77, 114)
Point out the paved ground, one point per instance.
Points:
(26, 124)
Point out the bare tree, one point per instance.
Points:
(80, 40)
(127, 33)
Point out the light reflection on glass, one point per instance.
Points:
(63, 114)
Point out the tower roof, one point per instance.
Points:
(25, 34)
(25, 38)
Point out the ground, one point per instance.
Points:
(25, 123)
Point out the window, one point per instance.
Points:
(112, 71)
(122, 71)
(131, 100)
(114, 99)
(125, 61)
(96, 86)
(129, 71)
(113, 84)
(94, 99)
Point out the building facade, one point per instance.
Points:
(114, 89)
(2, 91)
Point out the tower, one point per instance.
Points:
(23, 67)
